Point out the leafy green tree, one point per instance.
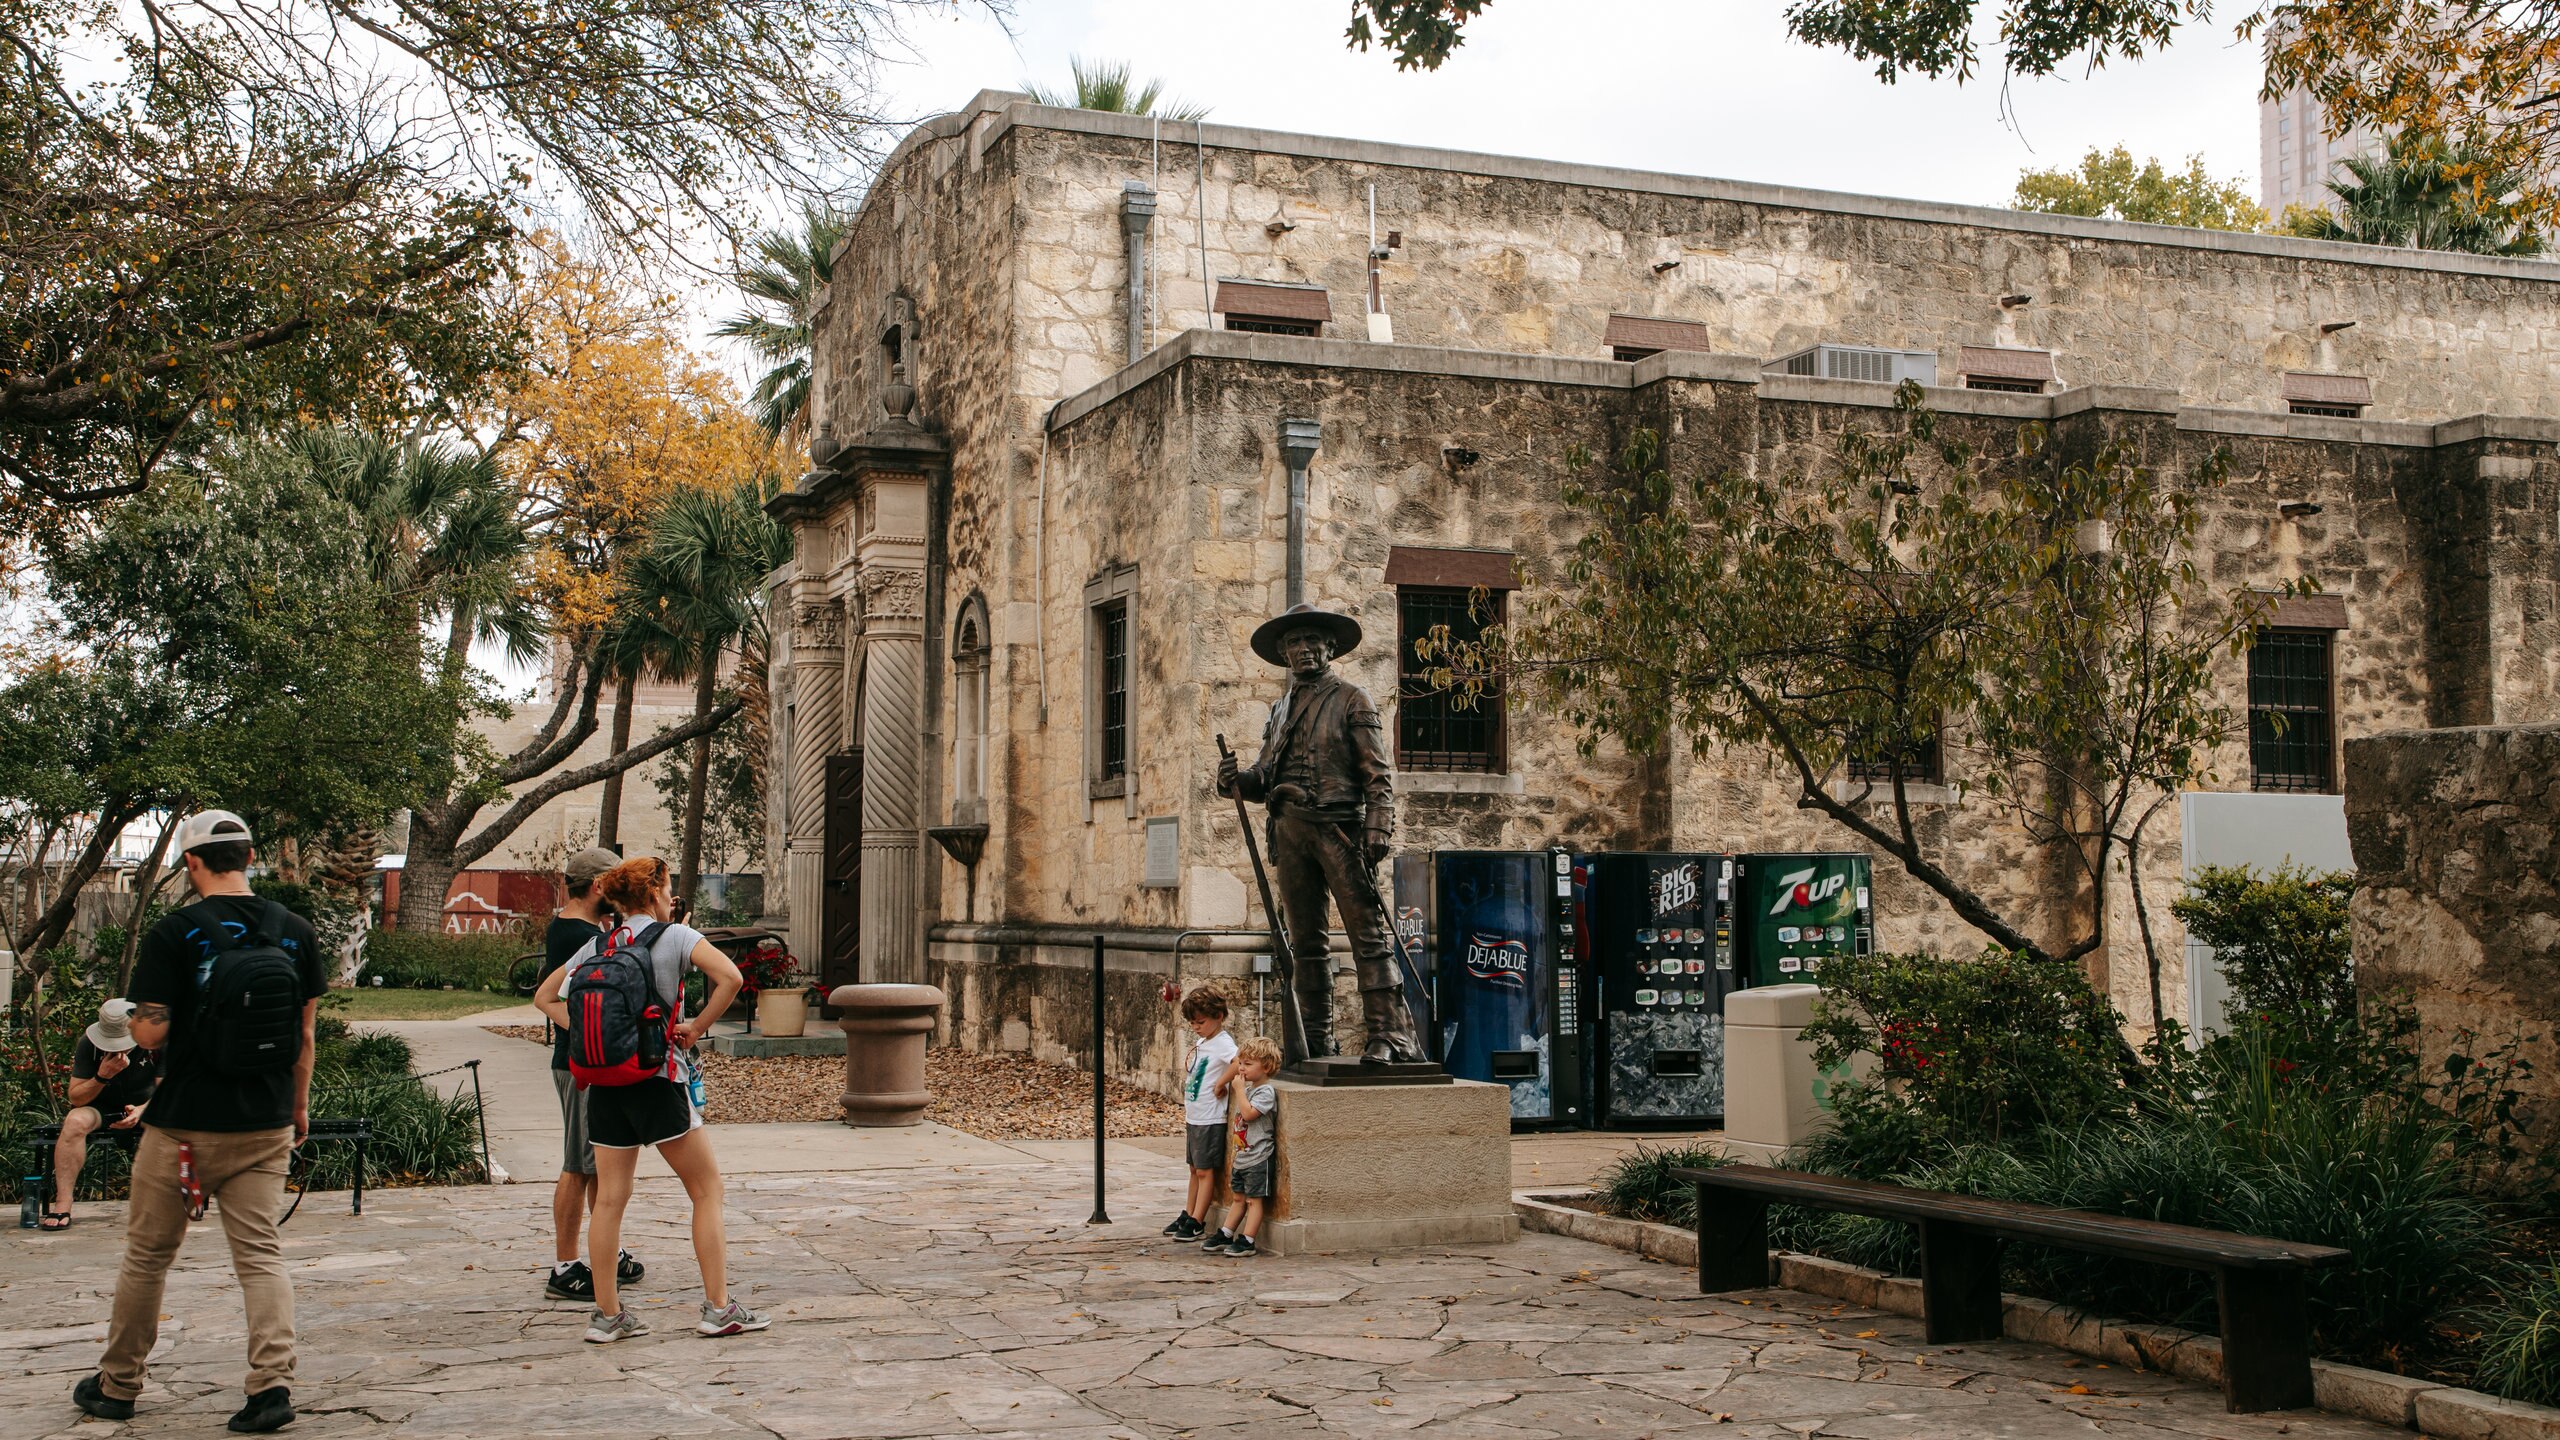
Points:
(221, 644)
(692, 594)
(1104, 85)
(2033, 611)
(2109, 184)
(231, 215)
(782, 291)
(2421, 194)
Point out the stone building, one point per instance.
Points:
(1052, 479)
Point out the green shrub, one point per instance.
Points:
(2280, 939)
(1639, 1184)
(2520, 1340)
(432, 960)
(1966, 1051)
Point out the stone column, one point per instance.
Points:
(889, 549)
(817, 730)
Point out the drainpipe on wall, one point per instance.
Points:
(1137, 213)
(1297, 448)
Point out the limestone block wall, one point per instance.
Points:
(1530, 256)
(2456, 848)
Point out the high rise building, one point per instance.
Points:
(2297, 157)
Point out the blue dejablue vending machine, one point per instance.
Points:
(1506, 1006)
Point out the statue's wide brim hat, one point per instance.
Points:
(1344, 630)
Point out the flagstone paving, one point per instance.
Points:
(972, 1300)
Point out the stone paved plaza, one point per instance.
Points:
(970, 1299)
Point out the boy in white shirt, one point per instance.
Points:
(1204, 1108)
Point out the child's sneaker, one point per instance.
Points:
(1216, 1242)
(1184, 1227)
(603, 1329)
(730, 1319)
(1241, 1247)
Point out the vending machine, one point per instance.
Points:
(1653, 939)
(1793, 912)
(1506, 1002)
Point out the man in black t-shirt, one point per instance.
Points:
(579, 924)
(234, 1132)
(111, 1078)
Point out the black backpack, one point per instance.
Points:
(620, 1028)
(249, 1006)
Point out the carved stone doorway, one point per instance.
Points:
(840, 954)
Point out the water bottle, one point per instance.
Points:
(693, 1086)
(30, 1202)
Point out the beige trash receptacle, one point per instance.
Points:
(886, 1029)
(1772, 1092)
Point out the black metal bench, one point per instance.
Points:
(41, 1140)
(2266, 1332)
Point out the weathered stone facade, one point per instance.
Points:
(988, 267)
(2457, 847)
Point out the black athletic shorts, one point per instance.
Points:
(626, 1117)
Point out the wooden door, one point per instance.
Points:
(840, 962)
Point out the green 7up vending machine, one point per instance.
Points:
(1793, 912)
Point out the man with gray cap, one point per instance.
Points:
(578, 924)
(111, 1079)
(227, 988)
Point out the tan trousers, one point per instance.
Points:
(243, 1174)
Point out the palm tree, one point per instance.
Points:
(1101, 86)
(2422, 194)
(782, 288)
(691, 592)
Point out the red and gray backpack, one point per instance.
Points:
(620, 1030)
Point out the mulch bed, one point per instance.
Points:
(998, 1096)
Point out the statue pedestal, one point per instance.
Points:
(1329, 1070)
(1387, 1167)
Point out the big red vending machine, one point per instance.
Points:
(1653, 940)
(1506, 1003)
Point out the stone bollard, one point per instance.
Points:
(886, 1029)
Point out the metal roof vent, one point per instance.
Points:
(1852, 362)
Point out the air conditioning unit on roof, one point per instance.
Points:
(1852, 362)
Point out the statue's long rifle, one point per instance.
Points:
(1293, 1026)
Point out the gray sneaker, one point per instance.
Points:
(730, 1319)
(603, 1329)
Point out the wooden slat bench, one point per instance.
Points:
(2266, 1333)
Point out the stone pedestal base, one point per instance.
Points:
(1386, 1167)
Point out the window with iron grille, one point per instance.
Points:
(2291, 712)
(1920, 763)
(2004, 385)
(1259, 325)
(2314, 407)
(1111, 642)
(1434, 730)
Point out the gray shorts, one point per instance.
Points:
(1205, 1146)
(577, 1152)
(1251, 1182)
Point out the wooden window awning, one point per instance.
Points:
(1645, 333)
(2306, 612)
(1274, 300)
(1462, 569)
(1999, 362)
(2302, 387)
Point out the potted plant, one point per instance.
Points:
(773, 977)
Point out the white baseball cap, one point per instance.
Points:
(210, 827)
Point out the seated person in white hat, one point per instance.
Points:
(111, 1080)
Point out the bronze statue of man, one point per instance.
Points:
(1325, 776)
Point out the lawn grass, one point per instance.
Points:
(367, 1002)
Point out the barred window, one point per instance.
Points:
(1111, 639)
(1434, 730)
(2291, 711)
(1921, 764)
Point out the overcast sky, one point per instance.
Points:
(1698, 87)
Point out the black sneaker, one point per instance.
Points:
(1241, 1247)
(1216, 1242)
(266, 1410)
(92, 1398)
(626, 1269)
(574, 1283)
(1184, 1227)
